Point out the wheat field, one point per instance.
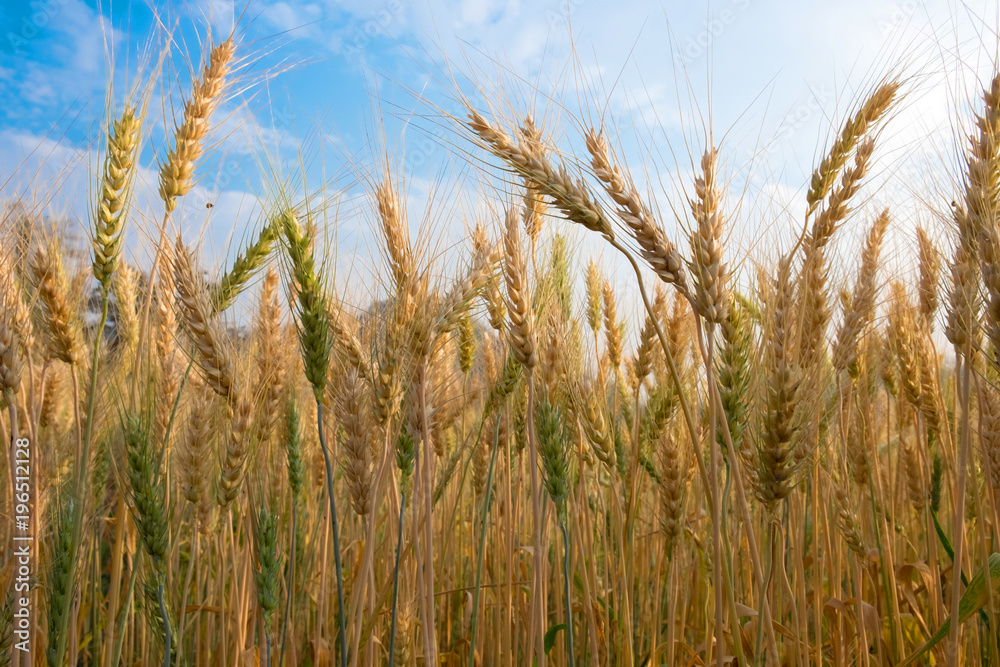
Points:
(493, 462)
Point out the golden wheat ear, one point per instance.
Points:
(569, 195)
(10, 358)
(177, 171)
(612, 327)
(861, 311)
(53, 292)
(202, 326)
(711, 292)
(115, 195)
(656, 249)
(930, 275)
(271, 370)
(521, 315)
(872, 110)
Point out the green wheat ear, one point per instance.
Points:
(267, 557)
(244, 267)
(314, 326)
(975, 598)
(58, 578)
(552, 446)
(467, 343)
(406, 454)
(504, 387)
(936, 472)
(293, 448)
(146, 492)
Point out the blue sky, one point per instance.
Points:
(321, 78)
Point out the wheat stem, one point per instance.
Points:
(166, 625)
(395, 583)
(958, 530)
(342, 627)
(290, 592)
(80, 483)
(481, 551)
